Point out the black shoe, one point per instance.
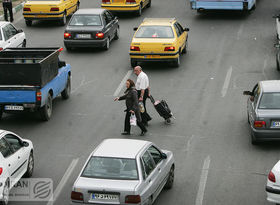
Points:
(125, 133)
(143, 133)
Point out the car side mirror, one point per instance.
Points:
(25, 144)
(135, 28)
(163, 156)
(277, 45)
(247, 93)
(20, 30)
(187, 29)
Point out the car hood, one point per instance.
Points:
(268, 113)
(83, 28)
(105, 184)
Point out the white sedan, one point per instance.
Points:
(16, 161)
(10, 36)
(124, 171)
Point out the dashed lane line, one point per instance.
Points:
(226, 83)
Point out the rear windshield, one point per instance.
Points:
(270, 101)
(111, 168)
(85, 20)
(155, 32)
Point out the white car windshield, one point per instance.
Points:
(155, 32)
(270, 101)
(85, 20)
(111, 168)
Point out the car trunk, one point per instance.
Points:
(113, 190)
(76, 32)
(271, 118)
(41, 6)
(153, 45)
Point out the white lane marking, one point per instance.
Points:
(263, 70)
(63, 181)
(83, 83)
(240, 30)
(203, 180)
(226, 83)
(118, 90)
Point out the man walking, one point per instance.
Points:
(7, 5)
(143, 90)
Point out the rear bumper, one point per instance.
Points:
(85, 43)
(266, 135)
(121, 8)
(153, 56)
(50, 16)
(221, 5)
(273, 195)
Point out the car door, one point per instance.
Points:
(7, 37)
(18, 37)
(114, 21)
(67, 6)
(108, 26)
(21, 153)
(10, 158)
(252, 104)
(180, 34)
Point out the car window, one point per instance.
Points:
(111, 168)
(85, 20)
(108, 16)
(256, 92)
(270, 101)
(5, 148)
(12, 29)
(143, 169)
(177, 30)
(156, 154)
(148, 163)
(180, 28)
(107, 21)
(6, 33)
(154, 32)
(14, 142)
(1, 35)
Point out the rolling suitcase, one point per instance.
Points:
(162, 109)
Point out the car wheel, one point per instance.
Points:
(177, 62)
(139, 12)
(150, 202)
(133, 63)
(149, 4)
(107, 45)
(24, 43)
(185, 48)
(67, 91)
(63, 20)
(5, 198)
(46, 110)
(28, 22)
(170, 179)
(117, 34)
(254, 141)
(277, 61)
(30, 166)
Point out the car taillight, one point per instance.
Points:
(67, 35)
(78, 196)
(1, 49)
(54, 9)
(271, 176)
(61, 49)
(132, 199)
(99, 35)
(106, 1)
(26, 9)
(38, 96)
(1, 170)
(170, 48)
(130, 1)
(259, 124)
(134, 48)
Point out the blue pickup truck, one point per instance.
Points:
(30, 78)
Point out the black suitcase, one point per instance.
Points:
(162, 109)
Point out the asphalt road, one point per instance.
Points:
(215, 162)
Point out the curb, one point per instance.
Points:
(15, 10)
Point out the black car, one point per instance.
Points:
(91, 28)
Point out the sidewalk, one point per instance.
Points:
(17, 6)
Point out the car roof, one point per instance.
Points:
(158, 21)
(2, 23)
(90, 11)
(270, 86)
(120, 148)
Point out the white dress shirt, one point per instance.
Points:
(142, 81)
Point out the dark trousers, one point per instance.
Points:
(127, 125)
(145, 116)
(8, 6)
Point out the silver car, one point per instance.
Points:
(124, 171)
(263, 110)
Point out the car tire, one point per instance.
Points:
(46, 110)
(150, 202)
(117, 34)
(177, 62)
(139, 11)
(30, 166)
(6, 191)
(185, 48)
(133, 63)
(23, 44)
(63, 20)
(149, 4)
(170, 180)
(277, 60)
(107, 45)
(28, 22)
(65, 94)
(254, 141)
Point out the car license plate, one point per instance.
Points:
(105, 196)
(13, 107)
(83, 36)
(276, 124)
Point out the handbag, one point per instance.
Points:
(133, 120)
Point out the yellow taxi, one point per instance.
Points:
(49, 10)
(135, 6)
(159, 39)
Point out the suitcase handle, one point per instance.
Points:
(152, 99)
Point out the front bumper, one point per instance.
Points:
(85, 43)
(265, 135)
(273, 195)
(121, 8)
